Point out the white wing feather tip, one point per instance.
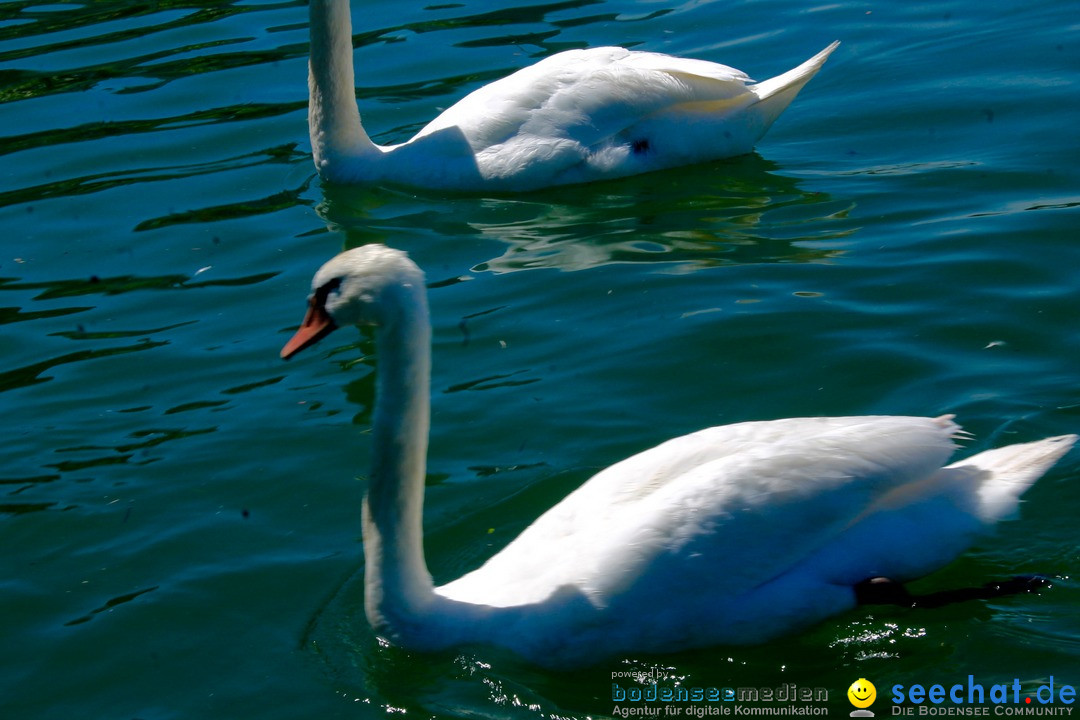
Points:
(795, 78)
(1009, 471)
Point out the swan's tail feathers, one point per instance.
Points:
(775, 94)
(1010, 471)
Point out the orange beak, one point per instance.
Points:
(317, 325)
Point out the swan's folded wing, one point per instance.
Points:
(821, 448)
(586, 96)
(711, 79)
(744, 502)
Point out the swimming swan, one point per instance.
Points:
(730, 535)
(576, 116)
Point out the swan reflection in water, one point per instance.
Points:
(740, 211)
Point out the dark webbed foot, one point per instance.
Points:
(883, 591)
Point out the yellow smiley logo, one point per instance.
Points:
(862, 693)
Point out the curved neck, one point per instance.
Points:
(333, 118)
(398, 585)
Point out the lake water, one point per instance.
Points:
(179, 510)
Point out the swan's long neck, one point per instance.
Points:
(333, 118)
(399, 593)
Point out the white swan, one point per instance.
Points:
(733, 534)
(573, 117)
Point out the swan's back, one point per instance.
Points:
(606, 112)
(762, 494)
(739, 533)
(743, 504)
(585, 95)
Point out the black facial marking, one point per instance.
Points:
(640, 146)
(319, 299)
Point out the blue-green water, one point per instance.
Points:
(179, 509)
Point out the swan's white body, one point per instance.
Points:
(576, 116)
(733, 534)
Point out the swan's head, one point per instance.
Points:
(364, 286)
